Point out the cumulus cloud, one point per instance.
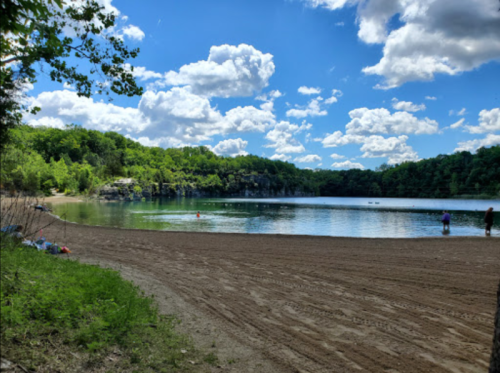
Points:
(308, 158)
(406, 105)
(133, 32)
(282, 138)
(177, 114)
(337, 156)
(229, 71)
(333, 98)
(315, 107)
(366, 121)
(489, 121)
(309, 90)
(66, 107)
(473, 145)
(437, 37)
(142, 73)
(431, 98)
(231, 147)
(247, 119)
(348, 165)
(367, 125)
(268, 99)
(394, 148)
(48, 121)
(338, 139)
(280, 157)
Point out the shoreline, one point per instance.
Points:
(315, 303)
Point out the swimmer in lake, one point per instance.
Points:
(198, 214)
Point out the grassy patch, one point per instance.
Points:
(61, 315)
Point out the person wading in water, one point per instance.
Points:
(488, 221)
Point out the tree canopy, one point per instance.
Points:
(77, 160)
(55, 33)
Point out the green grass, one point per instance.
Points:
(85, 314)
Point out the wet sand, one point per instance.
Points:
(313, 304)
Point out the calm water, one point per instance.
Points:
(326, 216)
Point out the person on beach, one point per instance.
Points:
(446, 220)
(488, 221)
(198, 214)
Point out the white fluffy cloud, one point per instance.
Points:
(183, 114)
(367, 125)
(406, 105)
(66, 107)
(133, 32)
(142, 73)
(489, 121)
(177, 114)
(280, 157)
(348, 165)
(231, 147)
(337, 156)
(333, 98)
(366, 121)
(308, 158)
(338, 139)
(229, 71)
(268, 99)
(437, 36)
(282, 138)
(394, 148)
(473, 145)
(315, 107)
(431, 98)
(309, 90)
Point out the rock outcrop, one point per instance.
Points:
(251, 186)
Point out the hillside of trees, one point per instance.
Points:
(80, 161)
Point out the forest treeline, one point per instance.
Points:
(76, 160)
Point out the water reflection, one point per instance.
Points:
(351, 217)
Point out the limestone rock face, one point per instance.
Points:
(251, 186)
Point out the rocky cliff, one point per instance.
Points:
(258, 186)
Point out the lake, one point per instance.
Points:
(325, 216)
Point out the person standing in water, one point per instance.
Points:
(488, 221)
(198, 214)
(446, 220)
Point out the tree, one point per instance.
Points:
(49, 32)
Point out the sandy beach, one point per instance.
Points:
(274, 303)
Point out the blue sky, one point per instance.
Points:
(333, 84)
